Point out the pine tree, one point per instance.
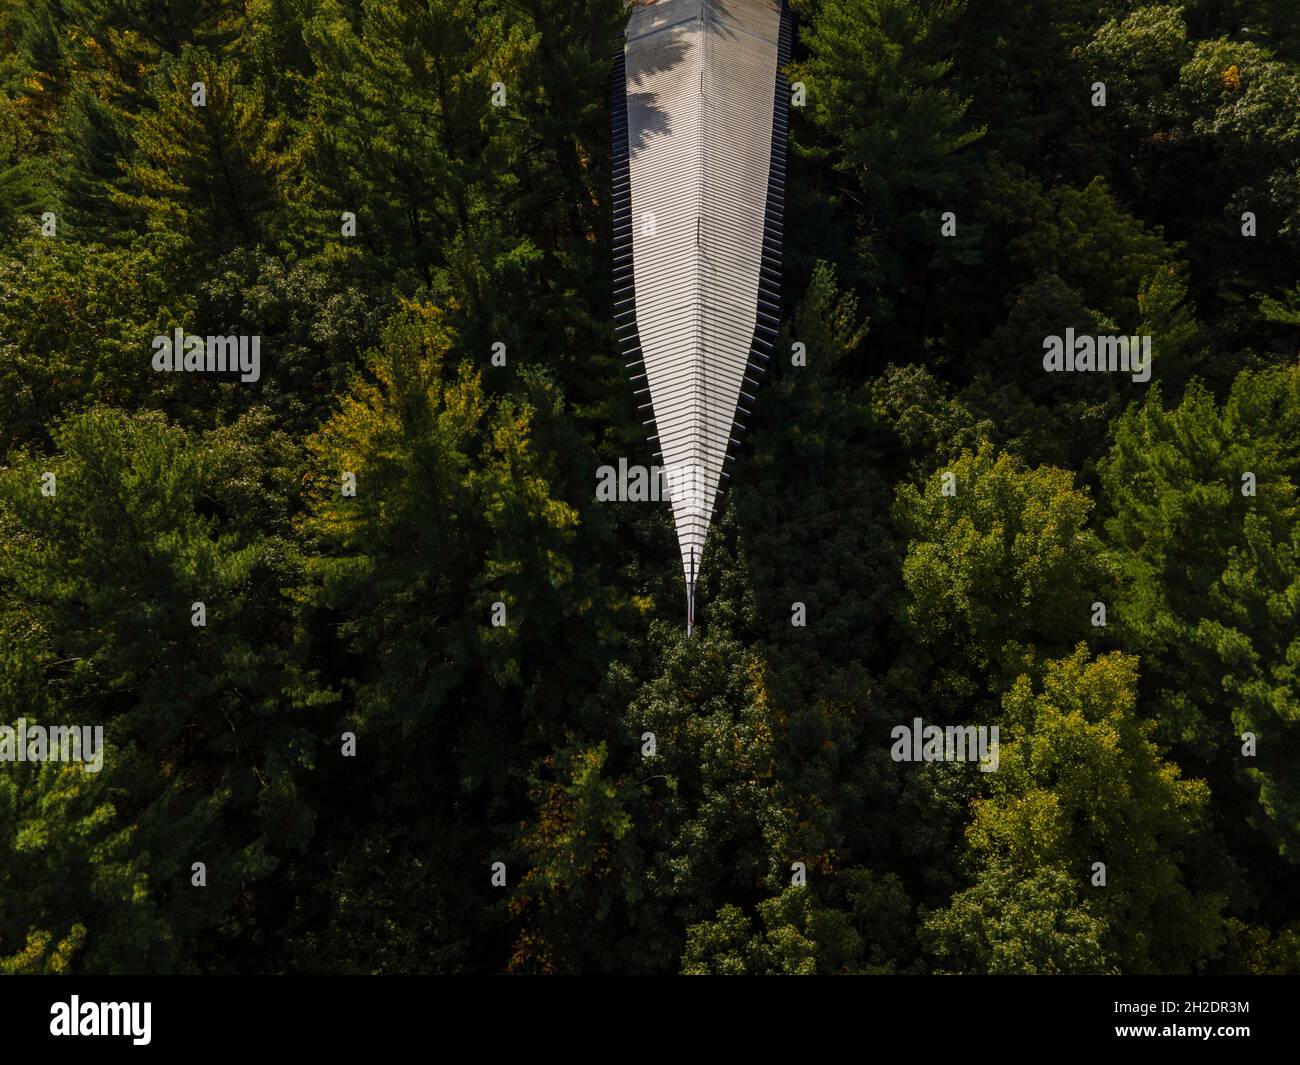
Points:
(1206, 519)
(210, 174)
(103, 578)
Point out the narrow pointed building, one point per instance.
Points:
(699, 104)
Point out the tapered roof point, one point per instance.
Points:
(699, 110)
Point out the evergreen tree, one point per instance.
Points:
(140, 610)
(1207, 520)
(210, 174)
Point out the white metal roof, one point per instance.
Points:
(699, 177)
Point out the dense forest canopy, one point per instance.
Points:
(407, 732)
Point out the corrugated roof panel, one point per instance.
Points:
(699, 156)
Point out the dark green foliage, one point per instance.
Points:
(99, 586)
(1207, 513)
